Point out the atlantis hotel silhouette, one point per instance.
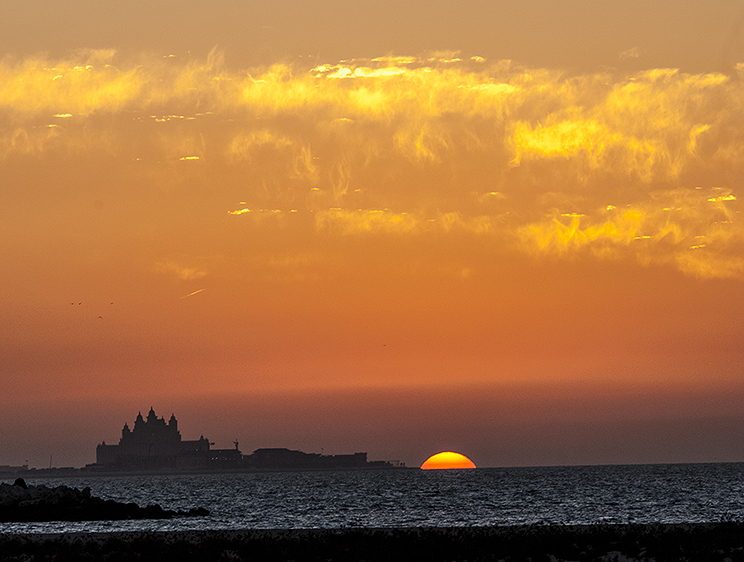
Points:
(156, 445)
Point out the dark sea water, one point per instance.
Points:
(411, 498)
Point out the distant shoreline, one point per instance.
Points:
(83, 472)
(658, 542)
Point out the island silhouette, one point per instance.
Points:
(153, 444)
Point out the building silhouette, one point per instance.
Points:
(277, 458)
(155, 444)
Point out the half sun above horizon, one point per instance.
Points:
(447, 460)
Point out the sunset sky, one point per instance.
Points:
(512, 230)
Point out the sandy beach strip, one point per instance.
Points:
(621, 543)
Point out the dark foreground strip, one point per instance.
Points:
(704, 542)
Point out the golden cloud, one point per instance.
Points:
(645, 166)
(68, 88)
(344, 221)
(690, 229)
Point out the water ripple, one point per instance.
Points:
(408, 498)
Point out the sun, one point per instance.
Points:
(447, 459)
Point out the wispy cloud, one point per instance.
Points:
(644, 167)
(177, 267)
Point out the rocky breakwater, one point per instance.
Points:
(21, 502)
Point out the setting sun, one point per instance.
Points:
(447, 459)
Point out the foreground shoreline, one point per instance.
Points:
(657, 542)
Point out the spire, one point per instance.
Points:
(139, 423)
(173, 423)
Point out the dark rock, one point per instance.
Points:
(21, 502)
(20, 482)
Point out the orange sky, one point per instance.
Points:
(510, 232)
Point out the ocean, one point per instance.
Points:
(677, 493)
